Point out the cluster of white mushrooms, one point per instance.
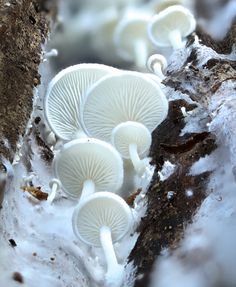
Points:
(104, 116)
(116, 32)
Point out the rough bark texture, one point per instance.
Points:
(24, 27)
(165, 220)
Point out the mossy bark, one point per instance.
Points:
(165, 220)
(24, 27)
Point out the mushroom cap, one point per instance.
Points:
(153, 77)
(119, 98)
(156, 58)
(175, 17)
(65, 94)
(106, 23)
(98, 210)
(131, 133)
(131, 28)
(88, 159)
(163, 4)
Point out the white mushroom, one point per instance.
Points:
(87, 165)
(131, 38)
(132, 140)
(154, 78)
(55, 185)
(106, 23)
(65, 95)
(118, 99)
(171, 26)
(101, 220)
(103, 4)
(158, 6)
(49, 54)
(157, 64)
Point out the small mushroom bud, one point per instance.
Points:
(132, 140)
(55, 185)
(157, 64)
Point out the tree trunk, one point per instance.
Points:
(24, 27)
(170, 209)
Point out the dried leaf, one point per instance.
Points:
(35, 192)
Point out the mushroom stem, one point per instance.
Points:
(138, 164)
(140, 53)
(157, 68)
(107, 246)
(52, 53)
(176, 39)
(88, 188)
(54, 185)
(156, 64)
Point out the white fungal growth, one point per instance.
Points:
(189, 192)
(223, 124)
(167, 170)
(170, 195)
(207, 254)
(49, 54)
(204, 164)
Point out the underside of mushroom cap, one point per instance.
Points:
(131, 133)
(65, 94)
(88, 159)
(130, 29)
(99, 210)
(175, 17)
(115, 99)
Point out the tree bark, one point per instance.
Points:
(166, 217)
(24, 27)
